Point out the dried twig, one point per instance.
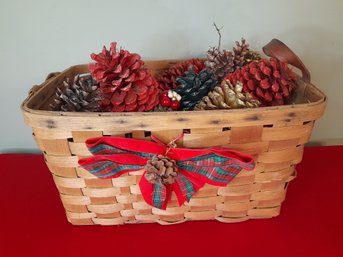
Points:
(220, 35)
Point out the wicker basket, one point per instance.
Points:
(275, 136)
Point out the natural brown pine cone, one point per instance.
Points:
(161, 170)
(219, 63)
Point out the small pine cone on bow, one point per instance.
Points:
(193, 87)
(161, 170)
(167, 80)
(78, 95)
(125, 85)
(227, 96)
(271, 82)
(219, 63)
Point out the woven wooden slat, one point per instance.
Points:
(273, 135)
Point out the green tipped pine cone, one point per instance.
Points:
(193, 87)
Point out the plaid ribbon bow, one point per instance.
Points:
(113, 157)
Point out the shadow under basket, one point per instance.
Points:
(275, 136)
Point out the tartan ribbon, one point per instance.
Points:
(113, 157)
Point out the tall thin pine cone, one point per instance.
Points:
(125, 85)
(167, 80)
(271, 82)
(242, 54)
(227, 96)
(193, 87)
(78, 95)
(219, 63)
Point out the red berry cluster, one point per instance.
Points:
(170, 99)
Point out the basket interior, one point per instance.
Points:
(305, 92)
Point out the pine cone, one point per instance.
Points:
(125, 85)
(242, 54)
(79, 95)
(227, 96)
(168, 78)
(252, 56)
(219, 63)
(271, 82)
(193, 87)
(160, 108)
(161, 170)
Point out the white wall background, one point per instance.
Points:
(40, 36)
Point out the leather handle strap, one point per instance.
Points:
(280, 51)
(35, 88)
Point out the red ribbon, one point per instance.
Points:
(115, 156)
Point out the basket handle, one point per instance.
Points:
(35, 88)
(275, 48)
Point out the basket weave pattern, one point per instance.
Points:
(275, 136)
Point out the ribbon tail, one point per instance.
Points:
(105, 167)
(186, 186)
(217, 167)
(156, 195)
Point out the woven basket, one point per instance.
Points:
(275, 136)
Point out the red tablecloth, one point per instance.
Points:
(33, 222)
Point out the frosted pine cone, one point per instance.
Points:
(78, 95)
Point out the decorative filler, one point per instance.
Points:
(119, 82)
(227, 96)
(193, 87)
(166, 168)
(125, 85)
(271, 82)
(171, 99)
(80, 94)
(168, 79)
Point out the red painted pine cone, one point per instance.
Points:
(271, 82)
(167, 80)
(125, 85)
